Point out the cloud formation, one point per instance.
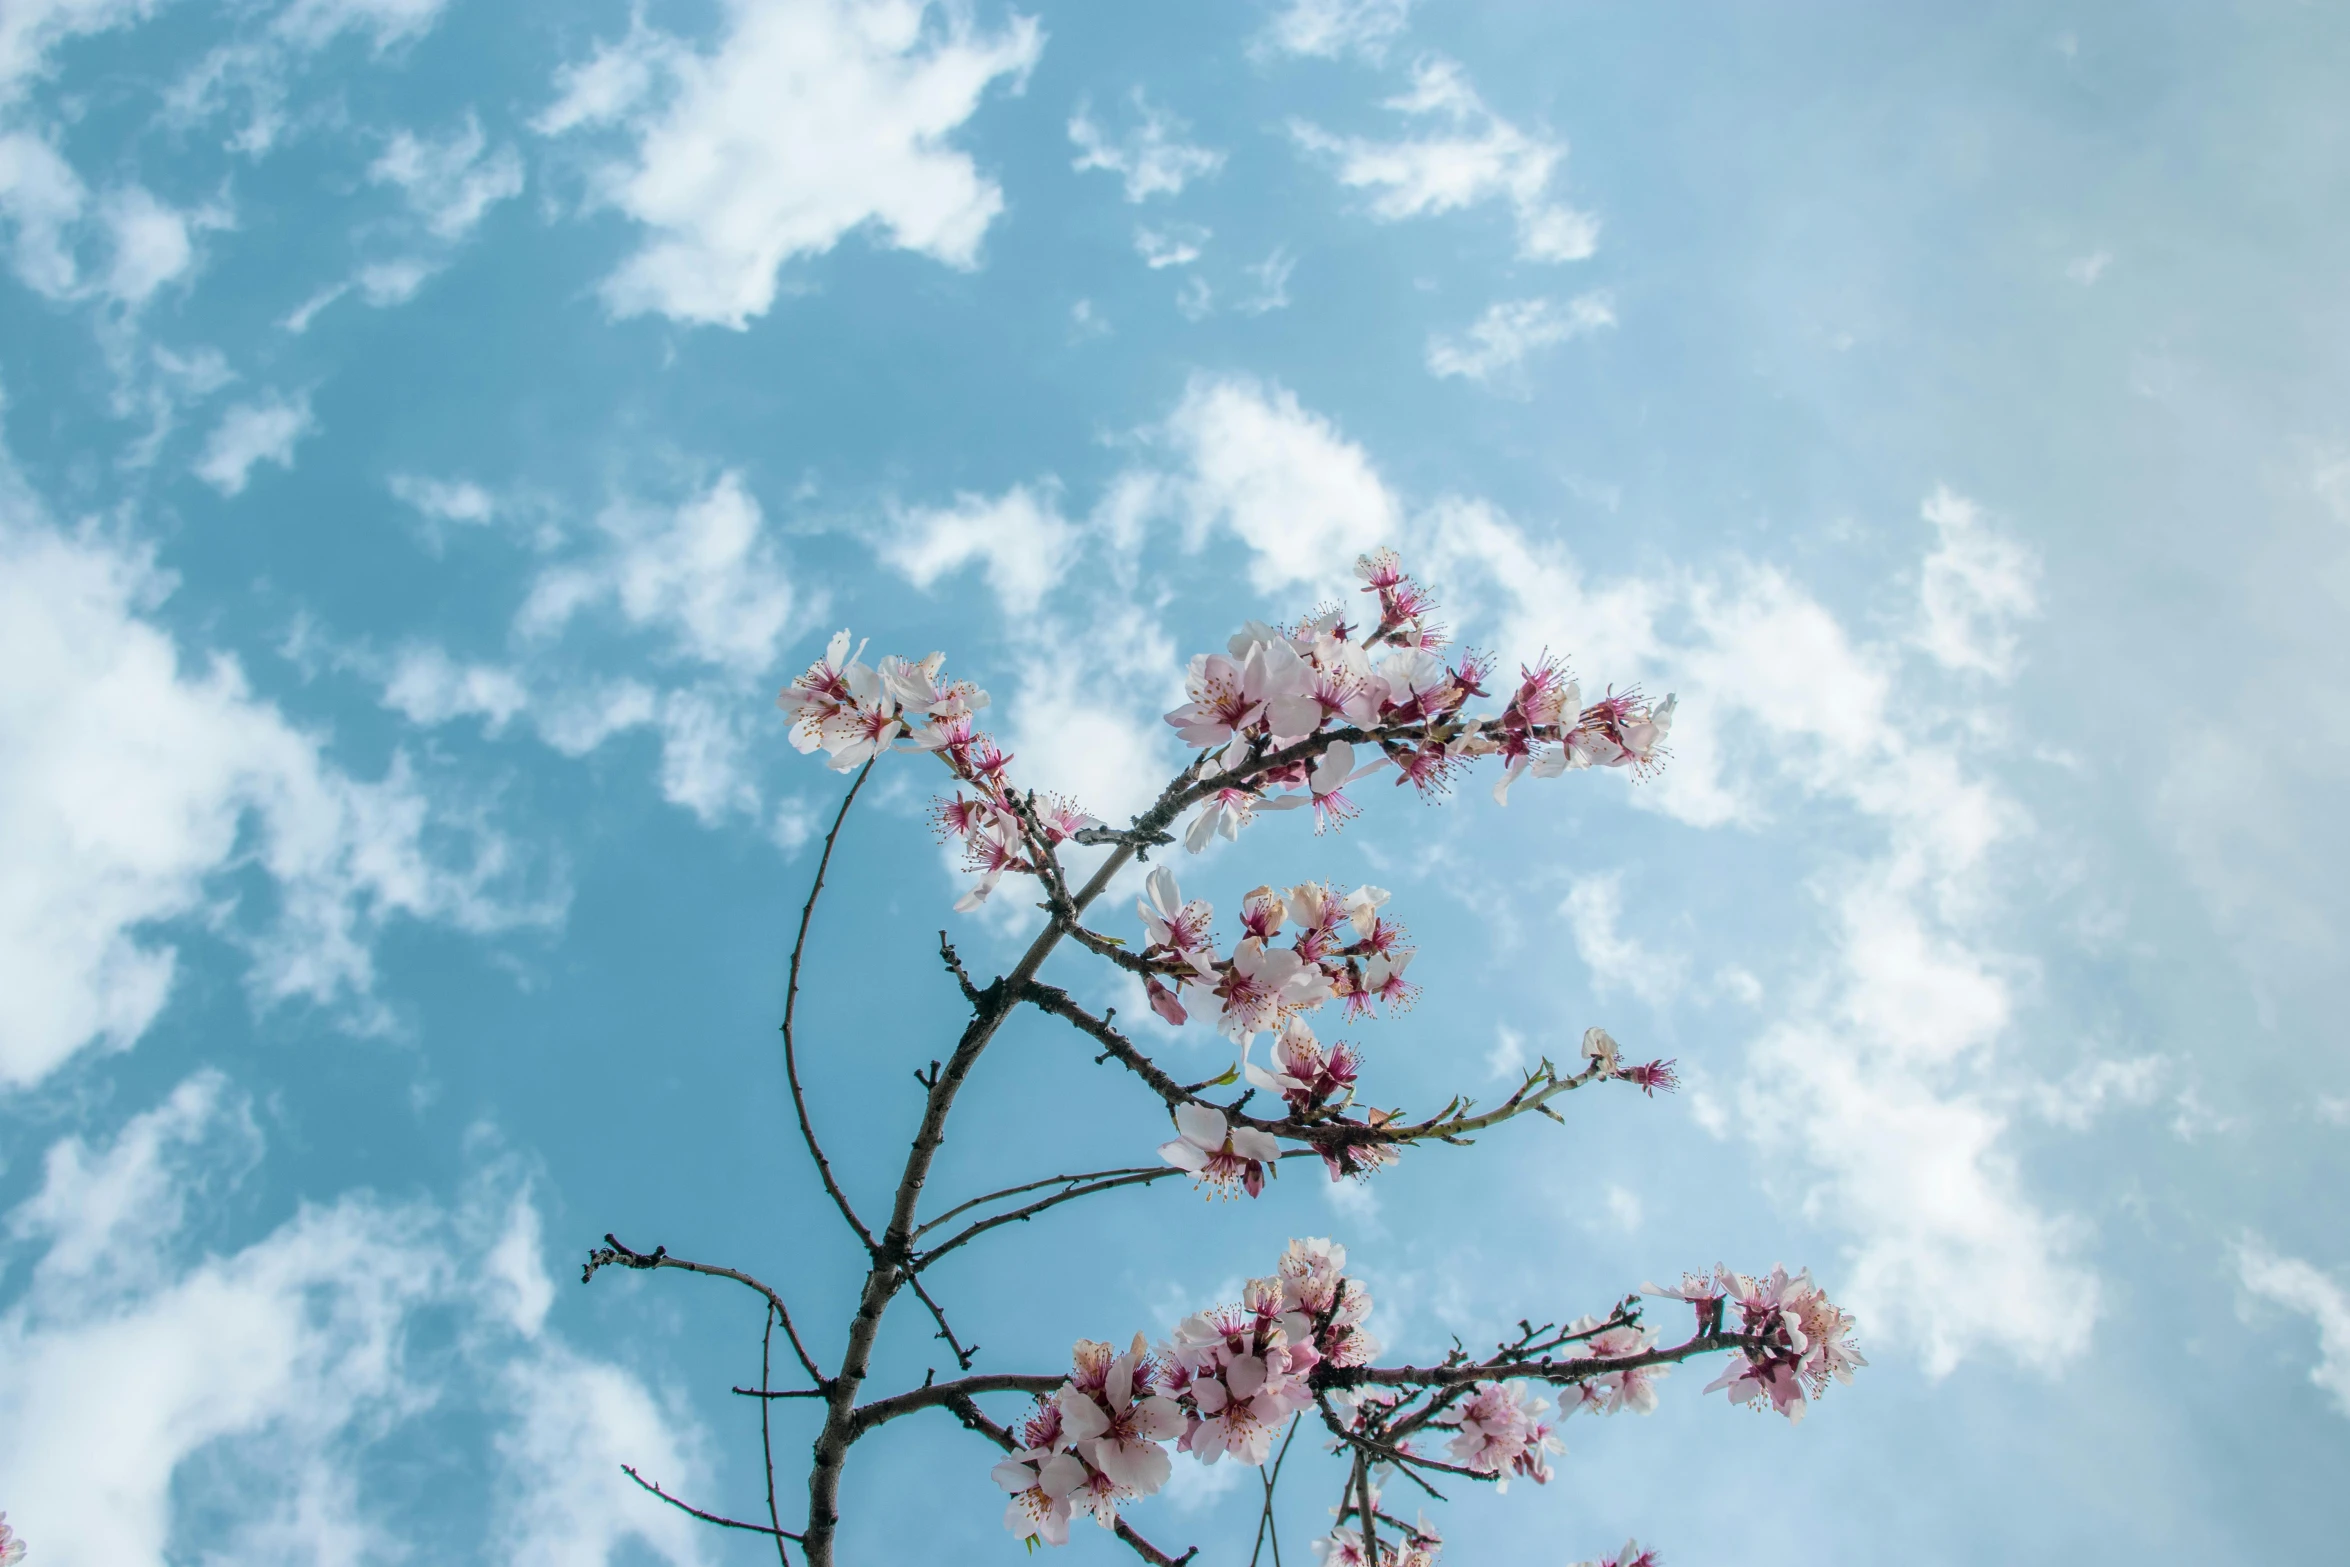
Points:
(1467, 155)
(132, 777)
(1510, 330)
(139, 1381)
(806, 120)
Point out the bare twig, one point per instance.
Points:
(963, 1357)
(791, 1002)
(724, 1523)
(1271, 1476)
(1015, 1191)
(615, 1254)
(767, 1439)
(1023, 1215)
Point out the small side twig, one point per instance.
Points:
(963, 1357)
(687, 1507)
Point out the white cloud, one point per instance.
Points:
(574, 1422)
(1617, 962)
(1151, 158)
(705, 573)
(705, 766)
(2086, 270)
(445, 500)
(1877, 1088)
(52, 214)
(808, 119)
(429, 687)
(1176, 245)
(42, 199)
(1510, 329)
(452, 183)
(1470, 155)
(313, 24)
(387, 283)
(2298, 1287)
(130, 781)
(1019, 538)
(260, 62)
(1272, 275)
(151, 244)
(253, 433)
(1977, 583)
(1329, 28)
(29, 29)
(1196, 299)
(1507, 1058)
(1283, 480)
(141, 1386)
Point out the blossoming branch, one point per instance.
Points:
(1311, 716)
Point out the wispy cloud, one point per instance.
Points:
(1512, 329)
(1467, 156)
(1151, 158)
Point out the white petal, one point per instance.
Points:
(1201, 1125)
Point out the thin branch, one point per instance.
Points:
(1272, 1477)
(767, 1440)
(1014, 1191)
(791, 1002)
(938, 1394)
(613, 1253)
(1023, 1215)
(963, 1357)
(723, 1523)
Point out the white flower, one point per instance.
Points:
(1217, 1153)
(1599, 1047)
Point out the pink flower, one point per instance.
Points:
(1599, 1048)
(1630, 1556)
(1261, 983)
(1650, 1077)
(1382, 980)
(11, 1546)
(1177, 928)
(1321, 1306)
(1497, 1432)
(1805, 1342)
(1041, 1478)
(1620, 731)
(1242, 1376)
(1262, 913)
(1225, 698)
(1217, 1153)
(1226, 811)
(1115, 1418)
(1632, 1388)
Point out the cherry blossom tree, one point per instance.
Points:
(1304, 717)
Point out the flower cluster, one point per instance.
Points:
(1612, 1392)
(1343, 949)
(1344, 1547)
(1630, 1556)
(1093, 1445)
(1499, 1431)
(1804, 1340)
(854, 711)
(1223, 1385)
(1274, 687)
(11, 1547)
(1239, 1375)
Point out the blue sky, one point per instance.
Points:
(432, 431)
